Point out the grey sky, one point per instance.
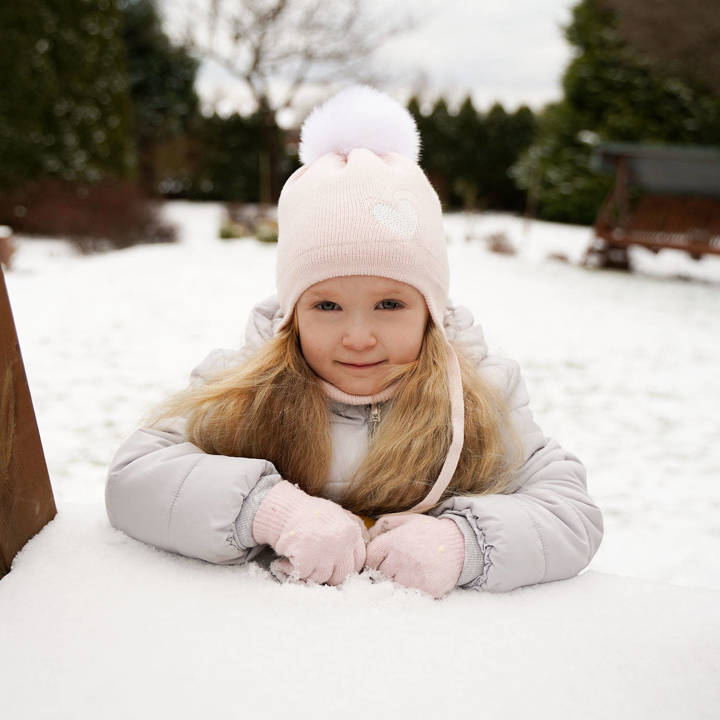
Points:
(511, 51)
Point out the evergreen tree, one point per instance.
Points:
(521, 132)
(65, 110)
(162, 86)
(439, 153)
(468, 156)
(227, 158)
(618, 94)
(469, 151)
(691, 49)
(611, 93)
(497, 155)
(556, 169)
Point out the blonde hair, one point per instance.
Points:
(273, 407)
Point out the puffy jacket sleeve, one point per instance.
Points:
(547, 528)
(165, 491)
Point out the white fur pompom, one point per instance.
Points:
(359, 117)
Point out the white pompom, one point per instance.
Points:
(359, 117)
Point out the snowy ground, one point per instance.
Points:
(622, 369)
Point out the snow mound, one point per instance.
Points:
(95, 624)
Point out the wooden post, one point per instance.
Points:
(7, 247)
(26, 498)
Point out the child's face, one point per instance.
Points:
(353, 328)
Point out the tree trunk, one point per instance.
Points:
(269, 156)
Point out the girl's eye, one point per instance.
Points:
(390, 305)
(327, 305)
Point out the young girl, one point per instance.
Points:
(360, 393)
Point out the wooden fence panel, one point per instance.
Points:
(26, 498)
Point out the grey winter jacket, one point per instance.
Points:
(165, 491)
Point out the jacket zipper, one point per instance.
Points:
(374, 418)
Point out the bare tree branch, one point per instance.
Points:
(278, 47)
(282, 45)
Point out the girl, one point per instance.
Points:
(360, 392)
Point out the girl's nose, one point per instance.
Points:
(359, 336)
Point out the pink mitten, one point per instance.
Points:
(323, 542)
(418, 551)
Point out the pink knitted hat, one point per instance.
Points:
(361, 205)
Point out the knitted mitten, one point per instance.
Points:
(418, 551)
(321, 541)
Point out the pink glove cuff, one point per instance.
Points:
(275, 510)
(449, 545)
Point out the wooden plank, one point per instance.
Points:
(689, 247)
(26, 498)
(656, 222)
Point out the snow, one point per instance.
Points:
(622, 370)
(100, 626)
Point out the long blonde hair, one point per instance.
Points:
(273, 407)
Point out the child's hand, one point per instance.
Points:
(418, 551)
(321, 541)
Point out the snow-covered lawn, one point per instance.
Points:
(622, 369)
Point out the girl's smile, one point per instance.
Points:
(361, 366)
(353, 328)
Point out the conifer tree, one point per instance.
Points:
(469, 152)
(65, 110)
(612, 92)
(161, 82)
(468, 155)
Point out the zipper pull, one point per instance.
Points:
(374, 418)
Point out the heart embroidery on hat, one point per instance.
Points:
(402, 220)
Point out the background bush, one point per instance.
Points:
(94, 216)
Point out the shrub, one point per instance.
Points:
(251, 219)
(93, 216)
